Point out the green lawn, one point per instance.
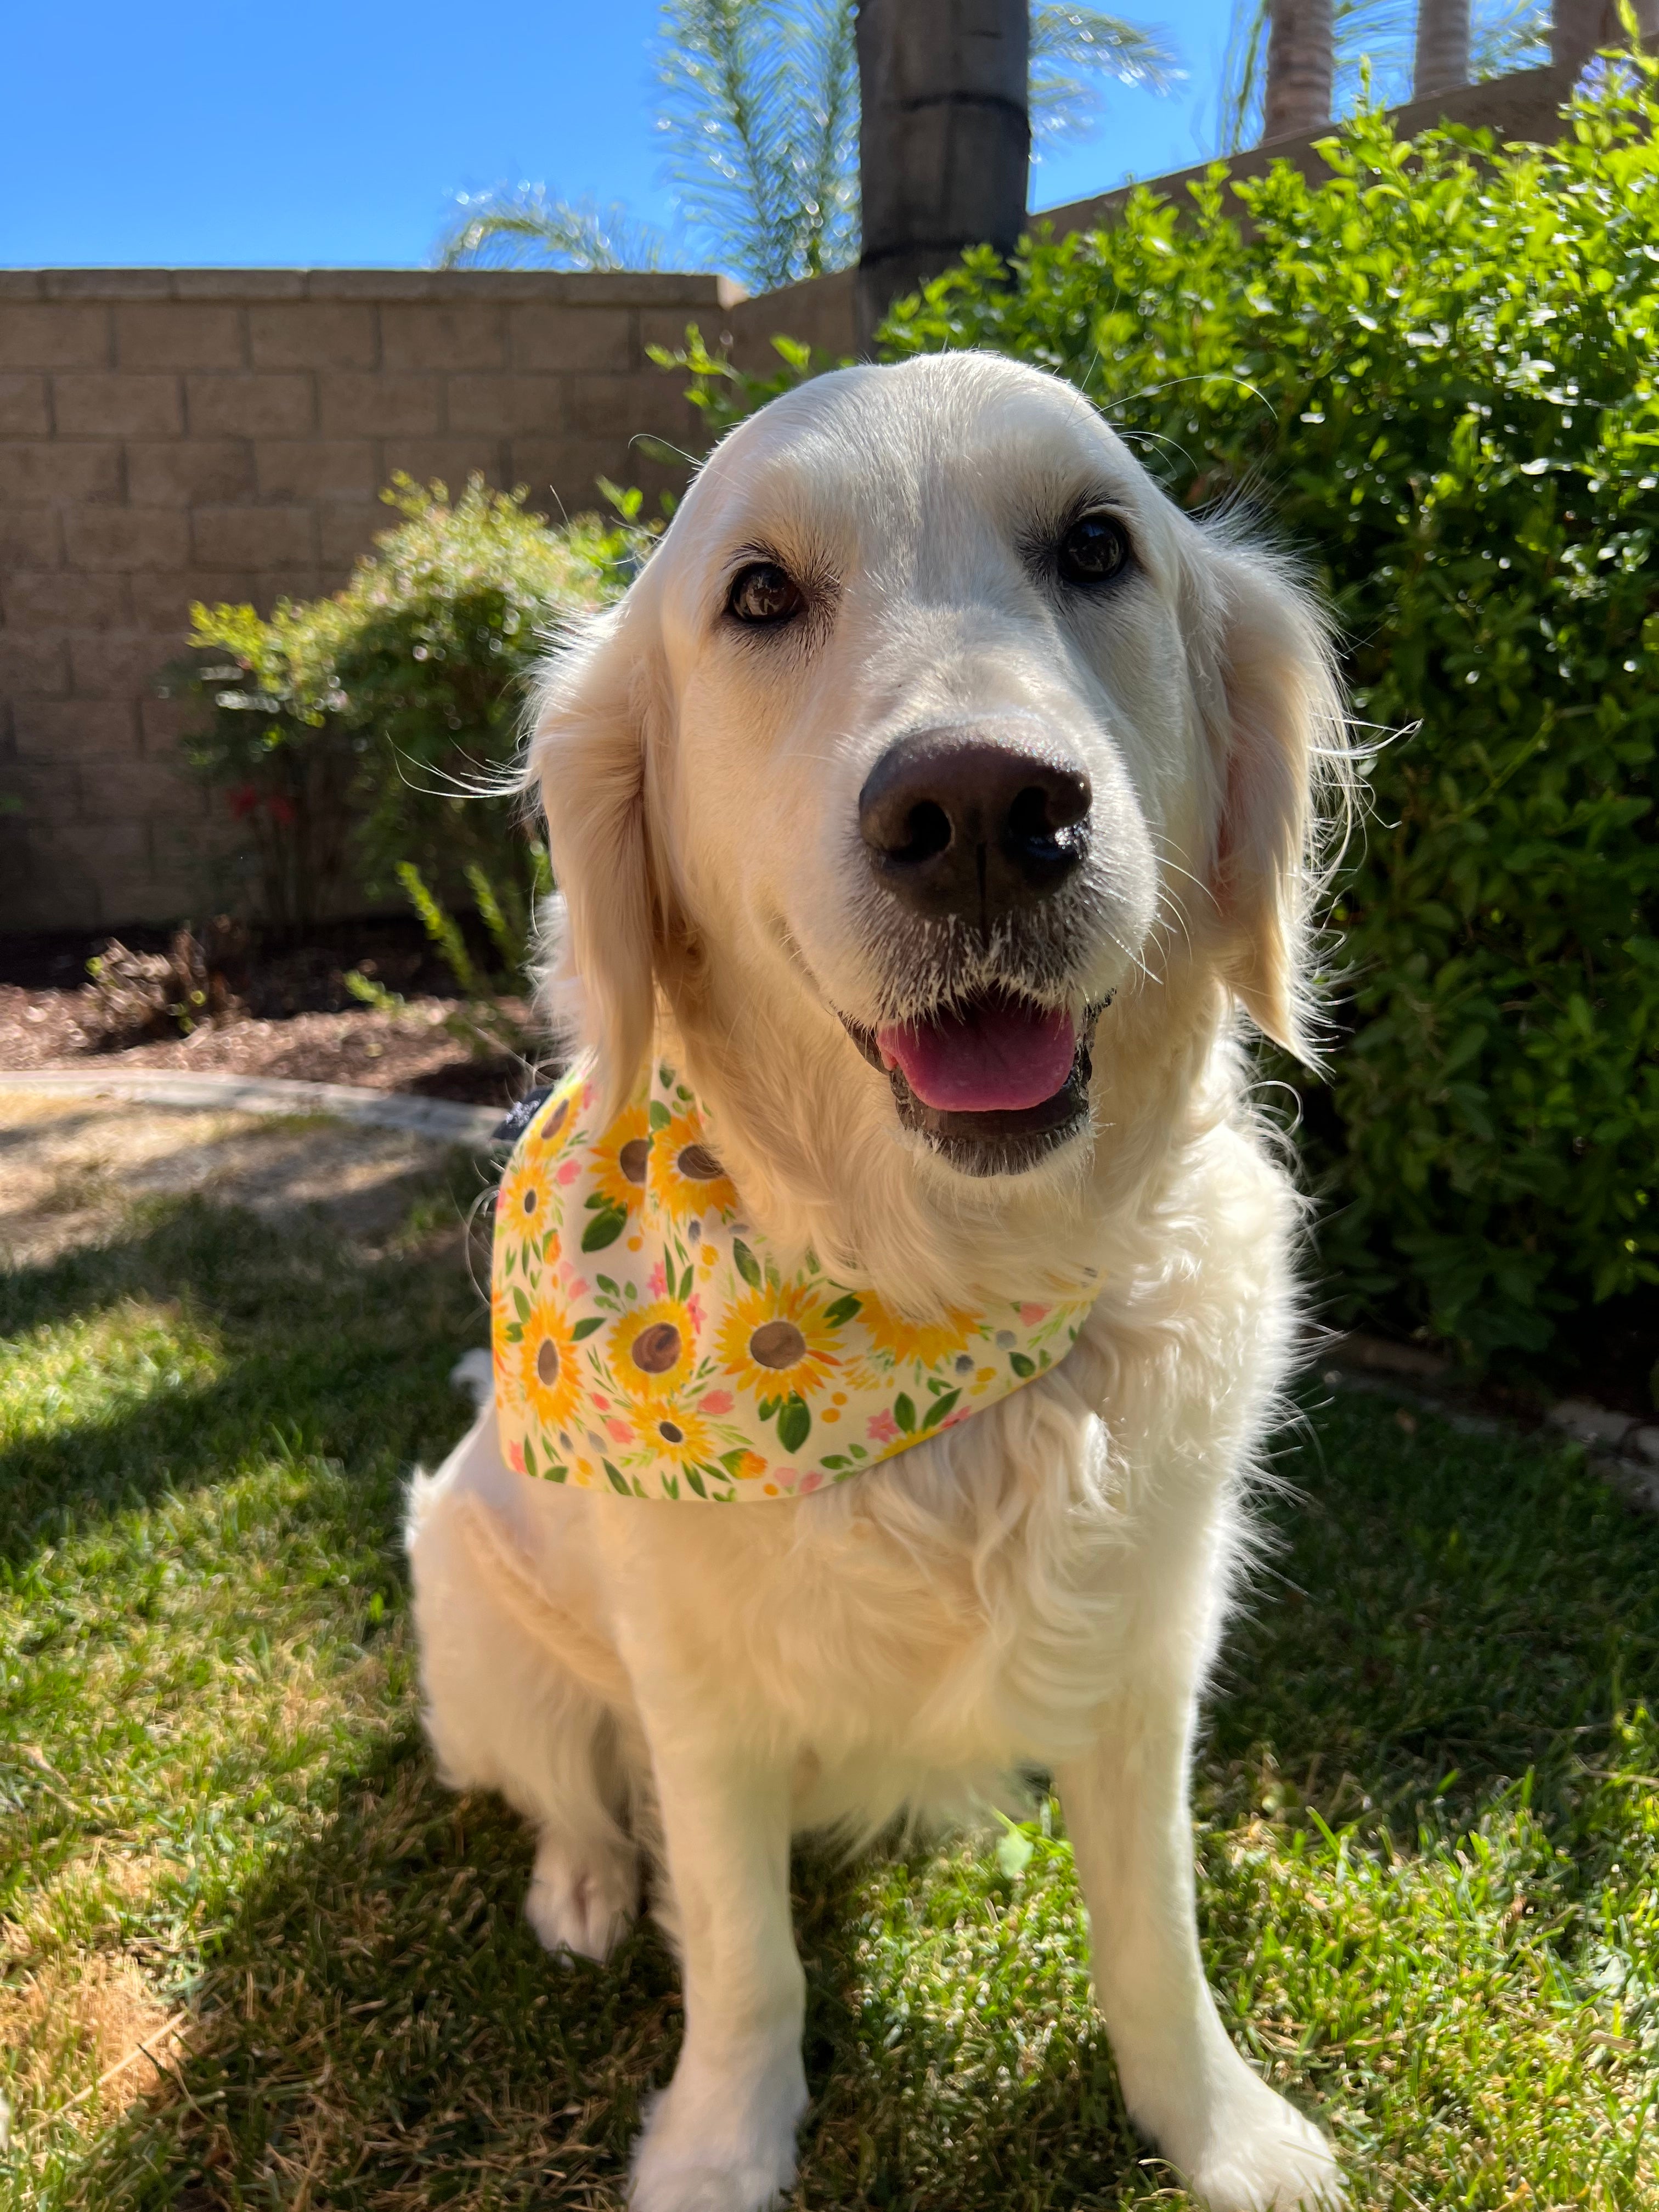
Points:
(1428, 1826)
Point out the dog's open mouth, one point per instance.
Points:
(993, 1083)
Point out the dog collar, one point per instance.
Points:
(646, 1341)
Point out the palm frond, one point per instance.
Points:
(522, 227)
(1515, 36)
(1075, 50)
(760, 117)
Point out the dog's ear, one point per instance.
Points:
(597, 706)
(1267, 687)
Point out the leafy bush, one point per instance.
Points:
(355, 733)
(1436, 371)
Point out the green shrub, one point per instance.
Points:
(352, 734)
(1435, 372)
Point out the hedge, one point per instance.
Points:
(1433, 372)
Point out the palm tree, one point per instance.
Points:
(1442, 58)
(1375, 40)
(1579, 28)
(945, 142)
(1301, 66)
(761, 120)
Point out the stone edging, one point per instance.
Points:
(1624, 1450)
(439, 1118)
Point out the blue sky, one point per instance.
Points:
(335, 133)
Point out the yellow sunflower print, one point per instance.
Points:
(776, 1339)
(676, 1432)
(524, 1202)
(652, 1350)
(685, 1177)
(621, 1156)
(903, 1340)
(542, 1367)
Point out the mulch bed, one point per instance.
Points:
(291, 1016)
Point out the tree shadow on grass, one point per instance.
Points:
(306, 1346)
(378, 2028)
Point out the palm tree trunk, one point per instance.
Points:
(1301, 67)
(1578, 27)
(1442, 47)
(944, 140)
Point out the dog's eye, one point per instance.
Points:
(1093, 550)
(763, 592)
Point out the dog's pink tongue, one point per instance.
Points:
(999, 1056)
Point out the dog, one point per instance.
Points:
(933, 759)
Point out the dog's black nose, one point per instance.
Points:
(955, 822)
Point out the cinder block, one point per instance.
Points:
(134, 787)
(558, 471)
(119, 664)
(58, 598)
(30, 538)
(161, 602)
(606, 406)
(48, 471)
(345, 532)
(189, 471)
(179, 334)
(108, 283)
(666, 328)
(315, 468)
(161, 721)
(258, 406)
(256, 539)
(384, 405)
(240, 284)
(75, 729)
(54, 337)
(315, 334)
(23, 406)
(377, 284)
(105, 404)
(126, 537)
(498, 406)
(451, 460)
(601, 339)
(564, 479)
(458, 337)
(33, 667)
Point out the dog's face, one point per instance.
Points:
(931, 731)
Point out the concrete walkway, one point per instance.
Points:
(439, 1118)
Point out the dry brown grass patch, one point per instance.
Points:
(91, 2033)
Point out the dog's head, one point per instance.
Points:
(938, 771)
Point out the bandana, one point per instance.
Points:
(646, 1341)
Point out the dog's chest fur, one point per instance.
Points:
(971, 1606)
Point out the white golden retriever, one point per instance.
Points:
(934, 747)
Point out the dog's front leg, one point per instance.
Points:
(1238, 2144)
(721, 2137)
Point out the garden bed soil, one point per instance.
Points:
(290, 1014)
(412, 1052)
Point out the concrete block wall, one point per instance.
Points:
(171, 435)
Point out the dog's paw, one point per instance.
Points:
(701, 2150)
(582, 1897)
(1266, 2158)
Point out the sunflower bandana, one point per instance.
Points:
(647, 1342)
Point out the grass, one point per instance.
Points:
(1427, 1836)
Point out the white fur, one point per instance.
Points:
(1046, 1584)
